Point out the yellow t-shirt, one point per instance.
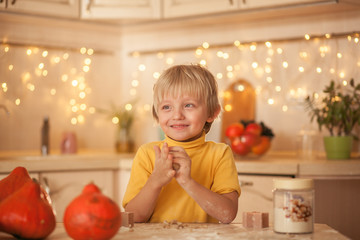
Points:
(212, 165)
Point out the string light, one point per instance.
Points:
(199, 52)
(270, 67)
(156, 75)
(115, 120)
(253, 47)
(45, 53)
(169, 61)
(228, 108)
(237, 43)
(206, 45)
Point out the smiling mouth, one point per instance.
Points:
(179, 126)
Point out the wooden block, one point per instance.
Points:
(127, 219)
(255, 220)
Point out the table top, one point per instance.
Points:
(198, 231)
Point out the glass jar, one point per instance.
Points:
(293, 205)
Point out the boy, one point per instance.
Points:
(184, 177)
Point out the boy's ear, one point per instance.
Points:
(216, 114)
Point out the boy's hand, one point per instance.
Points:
(163, 170)
(183, 162)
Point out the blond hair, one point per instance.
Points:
(194, 80)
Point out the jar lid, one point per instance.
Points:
(295, 183)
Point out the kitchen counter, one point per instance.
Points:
(290, 164)
(66, 162)
(271, 164)
(197, 231)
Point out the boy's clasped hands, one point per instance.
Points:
(171, 162)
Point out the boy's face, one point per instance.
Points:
(182, 118)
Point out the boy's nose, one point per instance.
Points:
(178, 114)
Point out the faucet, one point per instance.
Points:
(5, 109)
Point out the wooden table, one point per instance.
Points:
(193, 231)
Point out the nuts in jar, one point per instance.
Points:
(293, 205)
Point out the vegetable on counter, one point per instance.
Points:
(92, 215)
(13, 182)
(24, 209)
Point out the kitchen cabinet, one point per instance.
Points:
(182, 8)
(58, 8)
(256, 195)
(252, 4)
(124, 176)
(65, 186)
(337, 203)
(123, 9)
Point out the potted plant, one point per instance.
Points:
(339, 113)
(123, 117)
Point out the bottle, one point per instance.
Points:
(45, 137)
(293, 205)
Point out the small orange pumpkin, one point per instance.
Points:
(13, 182)
(92, 215)
(26, 213)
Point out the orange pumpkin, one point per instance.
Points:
(92, 215)
(26, 213)
(13, 182)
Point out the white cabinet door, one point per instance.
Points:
(65, 186)
(120, 9)
(256, 195)
(276, 3)
(182, 8)
(124, 176)
(63, 8)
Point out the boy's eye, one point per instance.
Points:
(189, 105)
(165, 107)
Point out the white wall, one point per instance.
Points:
(286, 125)
(111, 75)
(21, 129)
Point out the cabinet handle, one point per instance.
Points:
(45, 184)
(254, 191)
(246, 183)
(13, 2)
(89, 6)
(231, 2)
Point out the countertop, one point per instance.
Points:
(197, 231)
(270, 164)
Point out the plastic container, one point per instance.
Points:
(293, 205)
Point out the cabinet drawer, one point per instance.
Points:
(65, 186)
(256, 195)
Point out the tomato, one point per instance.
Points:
(234, 130)
(239, 148)
(262, 147)
(253, 128)
(250, 139)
